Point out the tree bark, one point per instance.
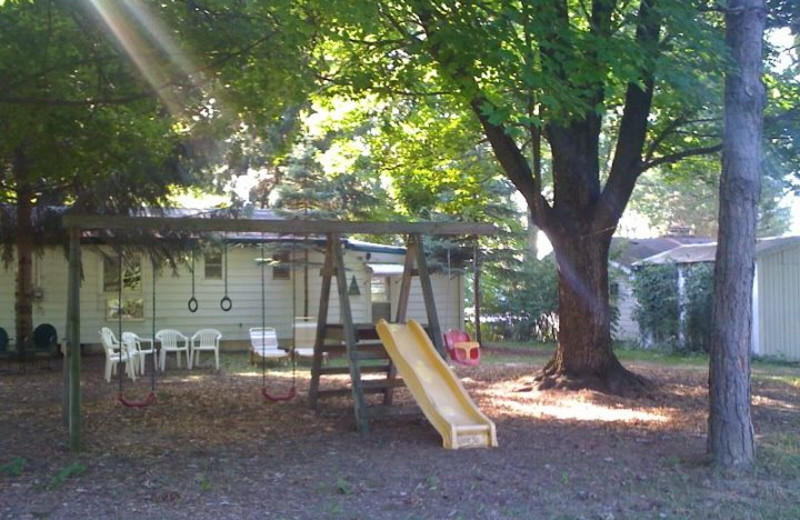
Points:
(23, 241)
(583, 357)
(731, 441)
(582, 215)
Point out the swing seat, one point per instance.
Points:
(264, 344)
(461, 348)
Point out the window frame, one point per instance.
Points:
(215, 265)
(132, 295)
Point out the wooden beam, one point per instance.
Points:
(74, 342)
(349, 335)
(322, 324)
(289, 226)
(434, 329)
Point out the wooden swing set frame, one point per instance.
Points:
(415, 265)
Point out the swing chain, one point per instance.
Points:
(193, 304)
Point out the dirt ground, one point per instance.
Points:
(212, 448)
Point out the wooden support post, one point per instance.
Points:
(65, 368)
(402, 309)
(74, 345)
(434, 329)
(322, 324)
(405, 282)
(360, 404)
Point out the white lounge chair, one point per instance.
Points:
(305, 335)
(264, 344)
(204, 339)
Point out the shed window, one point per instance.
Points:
(132, 305)
(213, 266)
(379, 288)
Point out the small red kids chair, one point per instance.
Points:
(461, 348)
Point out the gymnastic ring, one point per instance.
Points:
(193, 304)
(226, 304)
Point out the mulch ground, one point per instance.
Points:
(212, 448)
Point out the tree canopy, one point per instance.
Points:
(568, 102)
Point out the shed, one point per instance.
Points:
(374, 272)
(625, 252)
(776, 291)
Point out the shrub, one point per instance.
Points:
(658, 309)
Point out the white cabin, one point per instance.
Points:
(374, 272)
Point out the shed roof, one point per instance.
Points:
(386, 269)
(628, 251)
(687, 254)
(695, 253)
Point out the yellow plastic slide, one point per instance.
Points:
(436, 388)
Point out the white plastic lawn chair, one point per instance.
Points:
(204, 339)
(117, 353)
(173, 341)
(134, 343)
(264, 344)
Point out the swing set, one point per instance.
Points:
(334, 267)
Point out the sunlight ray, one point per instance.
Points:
(147, 44)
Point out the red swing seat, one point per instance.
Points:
(461, 348)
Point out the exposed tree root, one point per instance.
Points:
(615, 380)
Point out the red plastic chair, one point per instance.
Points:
(461, 348)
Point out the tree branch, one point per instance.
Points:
(505, 149)
(633, 127)
(675, 157)
(73, 102)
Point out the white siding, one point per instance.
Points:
(627, 327)
(448, 295)
(50, 284)
(173, 291)
(779, 304)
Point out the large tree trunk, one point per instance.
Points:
(730, 430)
(583, 357)
(23, 241)
(580, 215)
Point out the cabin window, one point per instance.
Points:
(379, 289)
(213, 266)
(281, 269)
(132, 305)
